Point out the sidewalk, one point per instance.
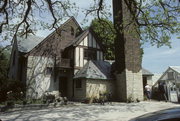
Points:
(92, 112)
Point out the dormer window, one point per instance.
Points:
(72, 31)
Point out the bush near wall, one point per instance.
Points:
(11, 90)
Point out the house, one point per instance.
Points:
(70, 61)
(171, 78)
(155, 78)
(49, 64)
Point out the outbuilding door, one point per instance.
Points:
(173, 94)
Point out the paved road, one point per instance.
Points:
(94, 112)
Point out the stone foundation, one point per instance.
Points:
(129, 86)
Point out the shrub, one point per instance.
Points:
(11, 90)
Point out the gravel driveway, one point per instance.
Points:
(93, 112)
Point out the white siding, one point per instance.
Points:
(76, 70)
(94, 43)
(98, 46)
(85, 41)
(90, 41)
(81, 57)
(98, 55)
(82, 43)
(101, 56)
(77, 56)
(85, 61)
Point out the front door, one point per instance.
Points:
(63, 86)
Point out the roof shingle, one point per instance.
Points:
(95, 70)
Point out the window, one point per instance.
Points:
(48, 70)
(78, 83)
(170, 75)
(90, 54)
(72, 31)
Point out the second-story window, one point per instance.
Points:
(72, 31)
(170, 75)
(90, 54)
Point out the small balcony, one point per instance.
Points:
(64, 63)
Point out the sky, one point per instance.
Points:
(156, 60)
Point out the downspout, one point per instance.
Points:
(73, 62)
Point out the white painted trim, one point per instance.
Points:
(81, 57)
(77, 56)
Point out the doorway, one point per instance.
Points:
(144, 82)
(63, 84)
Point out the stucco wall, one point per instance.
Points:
(38, 81)
(95, 87)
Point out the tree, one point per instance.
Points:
(4, 59)
(22, 17)
(7, 85)
(105, 32)
(157, 19)
(3, 73)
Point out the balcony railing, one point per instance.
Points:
(65, 63)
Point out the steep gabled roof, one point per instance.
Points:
(176, 68)
(80, 38)
(27, 44)
(95, 70)
(67, 21)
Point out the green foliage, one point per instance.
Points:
(105, 32)
(4, 58)
(130, 99)
(15, 88)
(11, 90)
(158, 21)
